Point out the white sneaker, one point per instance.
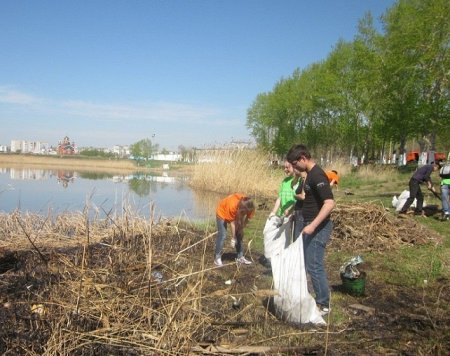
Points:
(324, 310)
(243, 260)
(233, 243)
(218, 262)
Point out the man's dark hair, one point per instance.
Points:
(296, 152)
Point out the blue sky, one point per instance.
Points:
(107, 72)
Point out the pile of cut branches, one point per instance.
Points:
(370, 227)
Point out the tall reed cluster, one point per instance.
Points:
(246, 171)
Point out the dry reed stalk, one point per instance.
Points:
(83, 261)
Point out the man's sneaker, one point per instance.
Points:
(445, 217)
(242, 260)
(323, 310)
(218, 262)
(233, 243)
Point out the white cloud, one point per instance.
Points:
(162, 112)
(104, 124)
(11, 96)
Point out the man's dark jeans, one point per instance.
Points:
(414, 193)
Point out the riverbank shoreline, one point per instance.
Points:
(82, 164)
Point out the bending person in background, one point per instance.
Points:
(236, 210)
(317, 207)
(421, 175)
(333, 178)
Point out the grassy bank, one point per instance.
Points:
(65, 162)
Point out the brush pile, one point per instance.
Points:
(370, 227)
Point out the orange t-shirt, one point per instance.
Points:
(227, 207)
(332, 176)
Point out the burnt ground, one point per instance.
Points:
(102, 300)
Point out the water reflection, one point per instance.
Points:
(65, 177)
(60, 190)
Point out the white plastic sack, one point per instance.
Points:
(275, 238)
(293, 302)
(398, 203)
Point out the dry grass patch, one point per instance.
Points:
(19, 161)
(246, 171)
(339, 165)
(129, 286)
(135, 286)
(377, 172)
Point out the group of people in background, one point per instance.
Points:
(305, 196)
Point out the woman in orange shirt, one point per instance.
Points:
(236, 209)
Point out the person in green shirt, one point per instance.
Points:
(286, 193)
(445, 187)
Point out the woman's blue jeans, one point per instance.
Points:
(314, 250)
(222, 235)
(444, 198)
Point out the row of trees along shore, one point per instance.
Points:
(377, 93)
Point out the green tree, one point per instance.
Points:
(143, 149)
(416, 69)
(379, 89)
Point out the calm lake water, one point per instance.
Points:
(43, 190)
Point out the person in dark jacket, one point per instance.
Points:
(421, 175)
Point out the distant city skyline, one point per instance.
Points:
(111, 73)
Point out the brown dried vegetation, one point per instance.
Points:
(71, 285)
(370, 227)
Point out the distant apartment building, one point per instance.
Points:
(3, 148)
(121, 151)
(170, 156)
(35, 147)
